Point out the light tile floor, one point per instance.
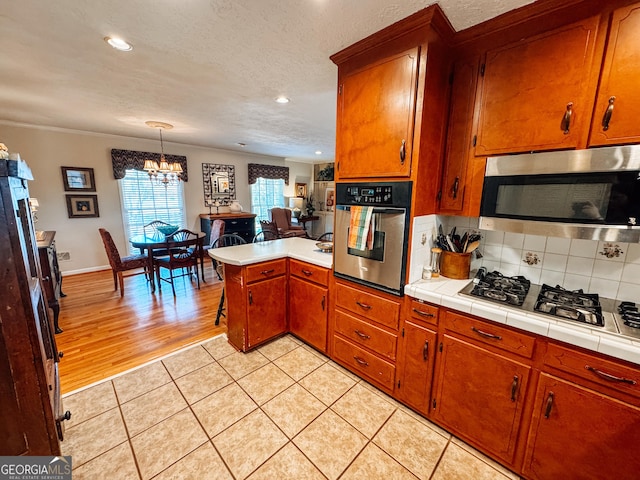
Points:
(283, 411)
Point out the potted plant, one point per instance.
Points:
(309, 205)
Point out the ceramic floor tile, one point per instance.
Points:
(167, 442)
(327, 383)
(469, 449)
(223, 408)
(240, 364)
(459, 464)
(412, 443)
(89, 402)
(152, 407)
(140, 381)
(299, 363)
(374, 463)
(202, 382)
(187, 361)
(363, 409)
(249, 443)
(278, 347)
(94, 437)
(116, 463)
(202, 464)
(330, 443)
(288, 463)
(265, 383)
(293, 410)
(219, 347)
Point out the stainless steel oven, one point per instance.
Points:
(383, 266)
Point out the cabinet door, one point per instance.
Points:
(459, 148)
(266, 305)
(581, 434)
(415, 366)
(617, 108)
(308, 312)
(480, 395)
(535, 92)
(376, 117)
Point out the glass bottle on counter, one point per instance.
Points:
(435, 261)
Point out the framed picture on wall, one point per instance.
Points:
(78, 179)
(301, 190)
(82, 206)
(329, 199)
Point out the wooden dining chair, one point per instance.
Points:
(152, 227)
(217, 230)
(119, 264)
(185, 252)
(226, 240)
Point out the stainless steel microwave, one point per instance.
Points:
(590, 194)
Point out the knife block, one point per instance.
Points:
(455, 265)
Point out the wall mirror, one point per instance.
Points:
(219, 183)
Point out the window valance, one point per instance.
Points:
(257, 170)
(123, 160)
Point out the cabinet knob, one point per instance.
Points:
(65, 416)
(607, 114)
(60, 354)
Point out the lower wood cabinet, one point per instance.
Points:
(256, 298)
(582, 434)
(308, 307)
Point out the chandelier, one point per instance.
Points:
(164, 173)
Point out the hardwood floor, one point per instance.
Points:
(105, 334)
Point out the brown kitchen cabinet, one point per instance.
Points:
(481, 381)
(617, 108)
(376, 107)
(309, 303)
(31, 416)
(537, 93)
(462, 174)
(256, 297)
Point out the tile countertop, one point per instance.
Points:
(444, 291)
(299, 248)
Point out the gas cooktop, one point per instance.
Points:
(572, 306)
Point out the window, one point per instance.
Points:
(266, 193)
(144, 201)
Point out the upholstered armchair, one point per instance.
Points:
(282, 218)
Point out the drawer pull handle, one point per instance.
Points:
(607, 114)
(485, 334)
(361, 361)
(547, 410)
(609, 377)
(514, 388)
(362, 335)
(323, 300)
(423, 313)
(364, 305)
(566, 119)
(266, 272)
(425, 351)
(403, 151)
(307, 272)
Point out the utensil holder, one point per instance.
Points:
(455, 265)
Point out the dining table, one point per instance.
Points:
(148, 243)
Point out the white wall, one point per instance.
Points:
(46, 150)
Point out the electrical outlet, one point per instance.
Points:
(62, 256)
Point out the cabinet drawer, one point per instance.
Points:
(264, 270)
(238, 225)
(366, 335)
(424, 312)
(500, 337)
(309, 272)
(378, 309)
(604, 372)
(364, 363)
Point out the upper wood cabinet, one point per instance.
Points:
(617, 109)
(537, 93)
(376, 108)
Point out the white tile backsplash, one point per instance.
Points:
(570, 263)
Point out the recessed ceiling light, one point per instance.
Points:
(318, 152)
(282, 99)
(119, 44)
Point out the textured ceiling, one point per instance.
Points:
(212, 68)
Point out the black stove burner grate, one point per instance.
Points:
(570, 304)
(630, 314)
(498, 288)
